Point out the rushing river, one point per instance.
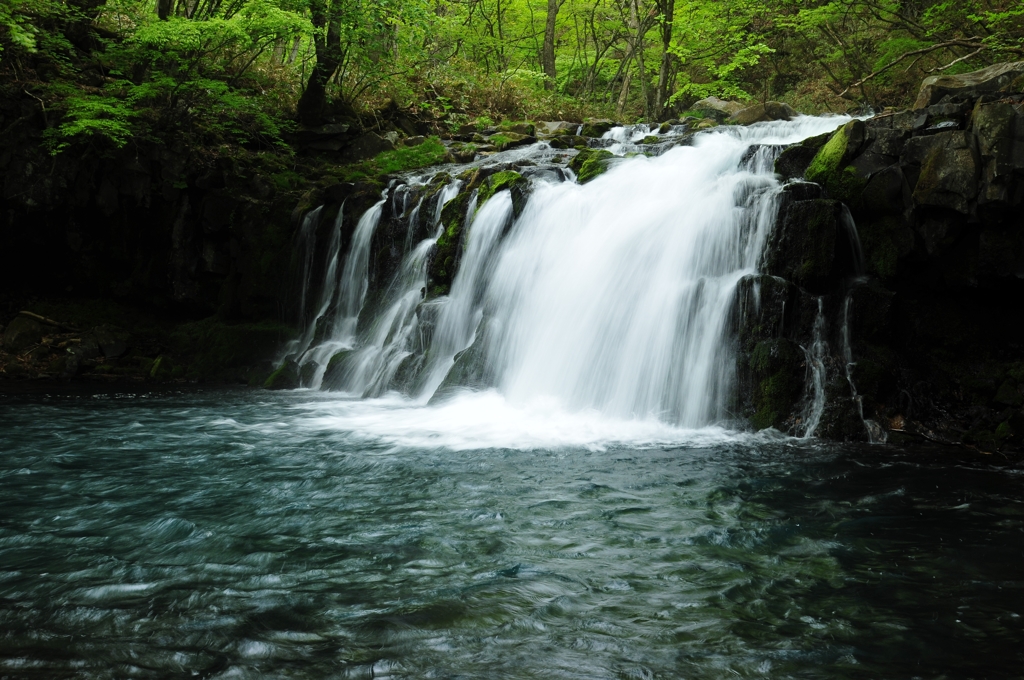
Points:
(255, 534)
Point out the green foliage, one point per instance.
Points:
(402, 159)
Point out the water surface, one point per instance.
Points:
(249, 534)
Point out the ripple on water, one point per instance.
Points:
(238, 534)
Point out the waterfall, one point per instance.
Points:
(815, 356)
(461, 313)
(614, 296)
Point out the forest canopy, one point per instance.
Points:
(249, 70)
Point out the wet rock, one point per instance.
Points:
(802, 191)
(414, 141)
(794, 160)
(596, 128)
(500, 181)
(334, 374)
(447, 252)
(831, 167)
(284, 378)
(22, 333)
(567, 142)
(525, 129)
(998, 78)
(510, 140)
(774, 372)
(469, 370)
(803, 245)
(591, 163)
(763, 112)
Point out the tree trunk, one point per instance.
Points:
(548, 50)
(163, 9)
(327, 44)
(668, 8)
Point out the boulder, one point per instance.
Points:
(998, 78)
(510, 140)
(112, 341)
(597, 128)
(591, 163)
(719, 109)
(567, 142)
(831, 168)
(284, 378)
(793, 162)
(556, 128)
(337, 368)
(759, 113)
(366, 145)
(528, 129)
(22, 333)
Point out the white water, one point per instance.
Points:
(815, 356)
(611, 298)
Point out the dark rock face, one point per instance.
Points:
(915, 311)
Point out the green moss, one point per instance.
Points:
(445, 260)
(829, 166)
(651, 139)
(774, 368)
(884, 241)
(500, 141)
(284, 378)
(402, 159)
(507, 179)
(286, 180)
(590, 163)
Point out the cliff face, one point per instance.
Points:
(894, 279)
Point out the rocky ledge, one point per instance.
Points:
(891, 285)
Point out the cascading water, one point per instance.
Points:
(815, 357)
(614, 296)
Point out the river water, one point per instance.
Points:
(302, 535)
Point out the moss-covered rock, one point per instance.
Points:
(793, 161)
(500, 181)
(591, 163)
(803, 246)
(949, 172)
(284, 378)
(596, 128)
(334, 374)
(831, 168)
(885, 241)
(774, 367)
(444, 262)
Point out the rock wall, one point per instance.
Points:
(919, 299)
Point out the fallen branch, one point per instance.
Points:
(924, 50)
(48, 322)
(957, 61)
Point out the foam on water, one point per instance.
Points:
(471, 420)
